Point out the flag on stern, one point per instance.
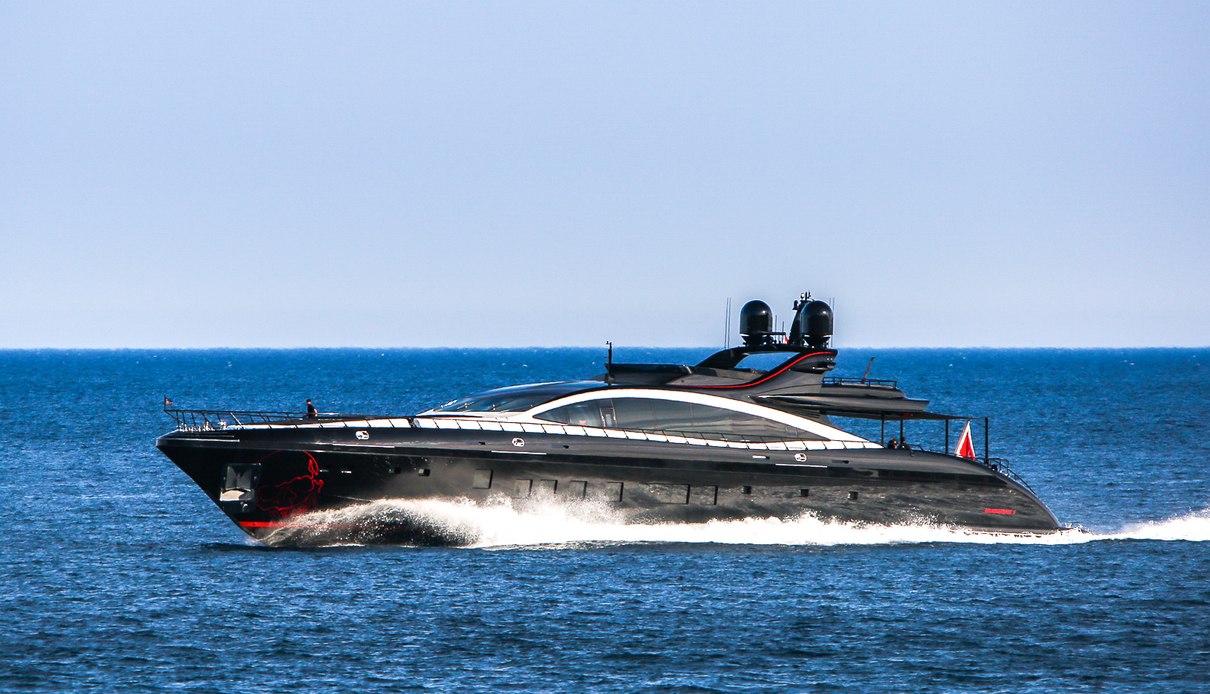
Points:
(966, 446)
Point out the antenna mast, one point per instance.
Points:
(609, 362)
(727, 326)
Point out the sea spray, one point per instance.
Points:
(1192, 527)
(549, 523)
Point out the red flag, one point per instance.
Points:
(966, 447)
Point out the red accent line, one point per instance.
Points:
(318, 526)
(767, 376)
(1001, 511)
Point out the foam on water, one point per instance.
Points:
(532, 524)
(1193, 527)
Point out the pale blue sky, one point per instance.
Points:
(396, 174)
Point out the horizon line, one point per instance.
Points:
(602, 347)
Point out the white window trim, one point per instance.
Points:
(828, 433)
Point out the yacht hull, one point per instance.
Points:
(272, 482)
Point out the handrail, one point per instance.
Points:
(722, 436)
(852, 381)
(1000, 465)
(217, 420)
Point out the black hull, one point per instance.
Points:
(268, 480)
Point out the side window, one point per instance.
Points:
(713, 419)
(758, 426)
(584, 414)
(559, 415)
(634, 413)
(717, 420)
(672, 415)
(608, 419)
(653, 415)
(668, 415)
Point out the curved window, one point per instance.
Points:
(584, 414)
(494, 402)
(645, 414)
(514, 398)
(762, 361)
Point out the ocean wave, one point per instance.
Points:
(531, 524)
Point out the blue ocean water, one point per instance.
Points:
(116, 573)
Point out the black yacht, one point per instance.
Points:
(652, 442)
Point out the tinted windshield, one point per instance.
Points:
(763, 361)
(515, 398)
(670, 415)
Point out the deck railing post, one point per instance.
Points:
(986, 440)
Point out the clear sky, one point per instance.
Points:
(562, 173)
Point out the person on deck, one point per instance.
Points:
(312, 413)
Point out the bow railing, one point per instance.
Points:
(217, 420)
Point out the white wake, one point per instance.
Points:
(1193, 527)
(551, 524)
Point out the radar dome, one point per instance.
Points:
(816, 319)
(755, 322)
